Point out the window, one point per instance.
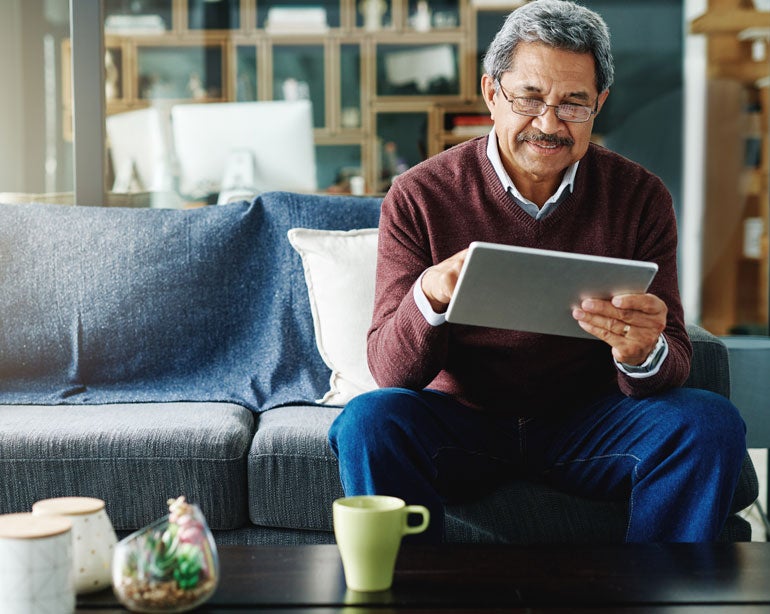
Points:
(35, 159)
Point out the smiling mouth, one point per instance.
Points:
(546, 141)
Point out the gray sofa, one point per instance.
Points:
(148, 353)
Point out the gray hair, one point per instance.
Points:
(558, 23)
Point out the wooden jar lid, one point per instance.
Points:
(29, 526)
(68, 506)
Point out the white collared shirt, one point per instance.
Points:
(567, 181)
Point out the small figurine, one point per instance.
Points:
(111, 77)
(373, 12)
(195, 86)
(422, 17)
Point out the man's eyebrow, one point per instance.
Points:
(580, 96)
(533, 89)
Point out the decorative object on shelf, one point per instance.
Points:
(111, 77)
(294, 89)
(92, 536)
(373, 11)
(392, 165)
(421, 20)
(760, 38)
(169, 566)
(357, 185)
(195, 87)
(422, 66)
(350, 117)
(444, 19)
(753, 231)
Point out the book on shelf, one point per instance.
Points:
(296, 20)
(497, 4)
(134, 24)
(471, 124)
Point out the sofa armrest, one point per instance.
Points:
(710, 370)
(710, 362)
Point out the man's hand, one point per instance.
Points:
(439, 281)
(630, 323)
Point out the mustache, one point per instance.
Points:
(541, 137)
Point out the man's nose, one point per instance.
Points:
(548, 122)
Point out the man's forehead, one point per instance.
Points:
(537, 67)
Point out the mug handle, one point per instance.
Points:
(421, 511)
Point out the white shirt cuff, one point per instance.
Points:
(433, 318)
(650, 366)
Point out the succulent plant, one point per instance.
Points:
(175, 552)
(189, 563)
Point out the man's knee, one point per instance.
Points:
(371, 417)
(708, 418)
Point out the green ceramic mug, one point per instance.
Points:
(368, 530)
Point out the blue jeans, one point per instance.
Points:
(674, 457)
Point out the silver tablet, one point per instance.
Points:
(535, 290)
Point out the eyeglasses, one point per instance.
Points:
(533, 107)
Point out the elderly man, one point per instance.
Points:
(462, 409)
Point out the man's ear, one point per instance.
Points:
(601, 99)
(488, 92)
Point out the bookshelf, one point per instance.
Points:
(381, 75)
(737, 208)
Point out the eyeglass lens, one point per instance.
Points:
(534, 107)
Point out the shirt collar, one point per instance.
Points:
(493, 153)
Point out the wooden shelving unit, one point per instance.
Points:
(360, 113)
(735, 257)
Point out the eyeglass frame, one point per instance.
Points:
(555, 107)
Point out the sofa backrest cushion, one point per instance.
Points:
(108, 305)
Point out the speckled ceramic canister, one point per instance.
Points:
(93, 538)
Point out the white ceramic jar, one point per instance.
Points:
(93, 539)
(36, 565)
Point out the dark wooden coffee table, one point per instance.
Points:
(478, 578)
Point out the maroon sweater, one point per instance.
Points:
(437, 208)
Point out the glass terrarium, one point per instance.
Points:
(170, 565)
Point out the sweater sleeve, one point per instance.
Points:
(657, 242)
(403, 349)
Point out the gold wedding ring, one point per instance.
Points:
(626, 328)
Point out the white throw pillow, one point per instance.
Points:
(339, 272)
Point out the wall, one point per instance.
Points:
(642, 118)
(12, 150)
(33, 155)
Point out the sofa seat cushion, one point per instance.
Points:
(134, 456)
(293, 474)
